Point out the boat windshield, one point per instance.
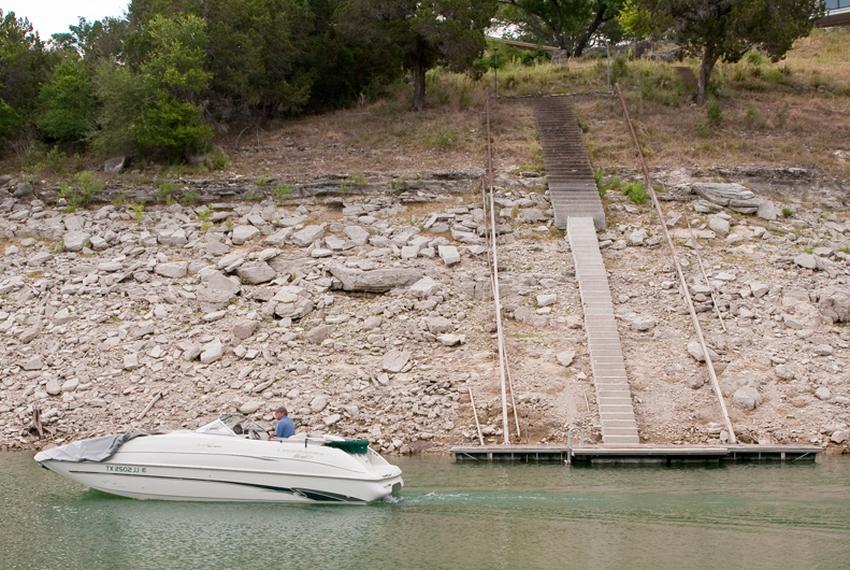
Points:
(235, 425)
(216, 427)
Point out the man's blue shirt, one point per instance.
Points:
(284, 428)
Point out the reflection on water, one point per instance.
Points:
(452, 516)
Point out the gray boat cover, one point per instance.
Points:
(95, 449)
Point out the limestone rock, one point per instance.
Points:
(76, 240)
(834, 303)
(439, 325)
(806, 261)
(374, 281)
(256, 273)
(424, 287)
(318, 334)
(449, 254)
(747, 398)
(357, 234)
(216, 288)
(733, 196)
(565, 357)
(250, 407)
(719, 225)
(308, 235)
(53, 388)
(395, 360)
(243, 233)
(823, 393)
(212, 351)
(172, 269)
(244, 328)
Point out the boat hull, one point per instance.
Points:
(192, 467)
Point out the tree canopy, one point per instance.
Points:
(422, 33)
(568, 24)
(727, 29)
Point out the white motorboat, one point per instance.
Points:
(229, 459)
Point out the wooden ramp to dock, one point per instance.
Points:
(613, 395)
(572, 187)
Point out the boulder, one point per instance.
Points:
(767, 211)
(308, 235)
(840, 436)
(730, 195)
(747, 398)
(172, 269)
(834, 303)
(243, 233)
(546, 299)
(216, 288)
(244, 328)
(373, 281)
(318, 334)
(76, 240)
(719, 225)
(357, 234)
(565, 357)
(212, 351)
(439, 325)
(424, 287)
(806, 261)
(53, 388)
(250, 407)
(395, 360)
(451, 339)
(115, 164)
(256, 273)
(449, 254)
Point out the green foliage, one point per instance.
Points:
(67, 102)
(167, 193)
(82, 191)
(137, 210)
(217, 159)
(787, 212)
(636, 192)
(567, 24)
(713, 112)
(282, 192)
(421, 34)
(24, 66)
(204, 216)
(443, 139)
(728, 30)
(599, 177)
(353, 181)
(153, 111)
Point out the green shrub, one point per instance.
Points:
(755, 58)
(787, 212)
(218, 159)
(138, 211)
(84, 189)
(10, 120)
(67, 102)
(713, 112)
(353, 181)
(170, 129)
(167, 192)
(443, 139)
(282, 193)
(636, 192)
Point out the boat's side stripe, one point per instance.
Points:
(306, 493)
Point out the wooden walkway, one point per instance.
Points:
(572, 187)
(613, 395)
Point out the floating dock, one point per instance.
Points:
(636, 454)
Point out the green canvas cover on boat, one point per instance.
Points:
(354, 446)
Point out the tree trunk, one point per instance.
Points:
(419, 69)
(709, 58)
(585, 39)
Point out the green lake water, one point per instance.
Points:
(452, 516)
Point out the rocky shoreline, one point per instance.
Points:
(369, 314)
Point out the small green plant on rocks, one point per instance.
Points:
(189, 198)
(137, 210)
(636, 192)
(204, 216)
(282, 193)
(167, 193)
(787, 212)
(81, 192)
(353, 181)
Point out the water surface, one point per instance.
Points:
(452, 516)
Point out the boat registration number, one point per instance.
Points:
(125, 469)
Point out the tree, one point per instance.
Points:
(155, 108)
(67, 102)
(24, 66)
(726, 30)
(423, 34)
(569, 24)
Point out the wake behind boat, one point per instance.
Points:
(229, 459)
